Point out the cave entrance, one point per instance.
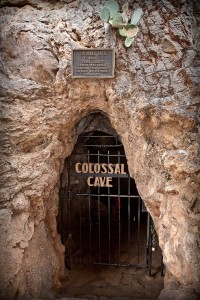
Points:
(103, 219)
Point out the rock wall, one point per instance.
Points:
(152, 103)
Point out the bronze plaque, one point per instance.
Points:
(93, 63)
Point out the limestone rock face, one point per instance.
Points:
(152, 103)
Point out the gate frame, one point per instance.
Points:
(151, 233)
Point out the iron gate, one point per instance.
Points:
(107, 220)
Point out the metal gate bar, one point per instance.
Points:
(69, 215)
(119, 215)
(90, 223)
(109, 214)
(99, 217)
(138, 233)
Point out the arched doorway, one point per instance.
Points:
(102, 219)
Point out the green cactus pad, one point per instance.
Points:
(122, 32)
(136, 16)
(128, 41)
(110, 13)
(105, 14)
(113, 7)
(125, 7)
(131, 32)
(117, 19)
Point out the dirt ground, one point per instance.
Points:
(97, 281)
(111, 282)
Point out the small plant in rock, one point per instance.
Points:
(127, 26)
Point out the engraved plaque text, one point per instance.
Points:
(95, 63)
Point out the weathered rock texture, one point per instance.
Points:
(152, 103)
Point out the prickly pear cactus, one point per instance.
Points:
(125, 7)
(127, 28)
(136, 16)
(113, 7)
(128, 41)
(105, 14)
(117, 20)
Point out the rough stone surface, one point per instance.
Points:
(152, 103)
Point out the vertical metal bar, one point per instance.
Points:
(99, 219)
(162, 266)
(69, 215)
(90, 228)
(80, 215)
(139, 212)
(90, 223)
(80, 228)
(109, 215)
(119, 212)
(150, 248)
(148, 238)
(61, 210)
(129, 212)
